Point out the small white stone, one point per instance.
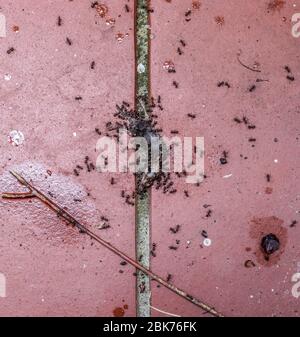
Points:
(275, 161)
(141, 68)
(207, 242)
(16, 137)
(7, 77)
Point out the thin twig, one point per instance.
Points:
(164, 312)
(247, 67)
(34, 192)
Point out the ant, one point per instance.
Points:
(186, 193)
(204, 234)
(98, 131)
(191, 115)
(78, 98)
(182, 43)
(176, 85)
(59, 21)
(173, 248)
(10, 50)
(245, 120)
(69, 42)
(290, 78)
(237, 120)
(169, 277)
(188, 13)
(94, 4)
(127, 8)
(93, 65)
(208, 214)
(179, 51)
(112, 181)
(252, 88)
(268, 177)
(175, 229)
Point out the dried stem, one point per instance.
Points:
(34, 192)
(247, 67)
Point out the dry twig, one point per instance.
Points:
(35, 193)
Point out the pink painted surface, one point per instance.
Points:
(50, 269)
(244, 205)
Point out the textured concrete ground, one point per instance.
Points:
(51, 94)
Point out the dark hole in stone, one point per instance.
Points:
(270, 243)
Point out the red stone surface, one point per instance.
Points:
(50, 269)
(244, 205)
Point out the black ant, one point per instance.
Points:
(176, 85)
(188, 13)
(252, 88)
(173, 248)
(251, 127)
(204, 234)
(252, 139)
(174, 132)
(94, 4)
(237, 120)
(127, 8)
(169, 277)
(79, 167)
(78, 98)
(182, 43)
(293, 224)
(175, 229)
(186, 193)
(152, 251)
(290, 78)
(245, 120)
(208, 213)
(179, 51)
(268, 177)
(98, 131)
(76, 172)
(68, 41)
(287, 69)
(112, 181)
(191, 115)
(93, 63)
(59, 21)
(10, 50)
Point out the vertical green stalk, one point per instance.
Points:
(142, 202)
